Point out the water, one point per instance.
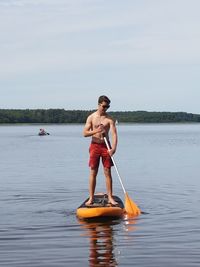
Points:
(44, 179)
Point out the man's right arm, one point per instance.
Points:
(88, 129)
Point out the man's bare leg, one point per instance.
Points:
(107, 172)
(92, 185)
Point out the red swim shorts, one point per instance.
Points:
(98, 151)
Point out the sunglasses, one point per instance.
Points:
(105, 106)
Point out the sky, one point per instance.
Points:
(142, 54)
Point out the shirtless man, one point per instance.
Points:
(97, 126)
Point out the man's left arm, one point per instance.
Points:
(114, 136)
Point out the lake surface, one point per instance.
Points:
(44, 179)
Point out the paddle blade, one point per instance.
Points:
(130, 207)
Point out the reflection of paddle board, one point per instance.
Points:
(101, 208)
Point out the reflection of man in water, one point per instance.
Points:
(101, 237)
(101, 245)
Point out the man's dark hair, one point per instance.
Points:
(104, 98)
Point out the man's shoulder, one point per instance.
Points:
(91, 116)
(110, 118)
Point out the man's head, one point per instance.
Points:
(104, 102)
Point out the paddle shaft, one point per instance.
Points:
(108, 147)
(130, 207)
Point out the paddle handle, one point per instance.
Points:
(108, 147)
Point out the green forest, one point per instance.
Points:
(79, 116)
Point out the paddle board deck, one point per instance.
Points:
(101, 208)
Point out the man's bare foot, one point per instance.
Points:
(89, 202)
(112, 201)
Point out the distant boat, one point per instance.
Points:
(116, 122)
(42, 132)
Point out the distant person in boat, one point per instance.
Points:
(98, 125)
(43, 132)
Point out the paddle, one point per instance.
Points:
(130, 207)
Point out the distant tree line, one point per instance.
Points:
(79, 116)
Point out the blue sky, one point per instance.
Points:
(145, 55)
